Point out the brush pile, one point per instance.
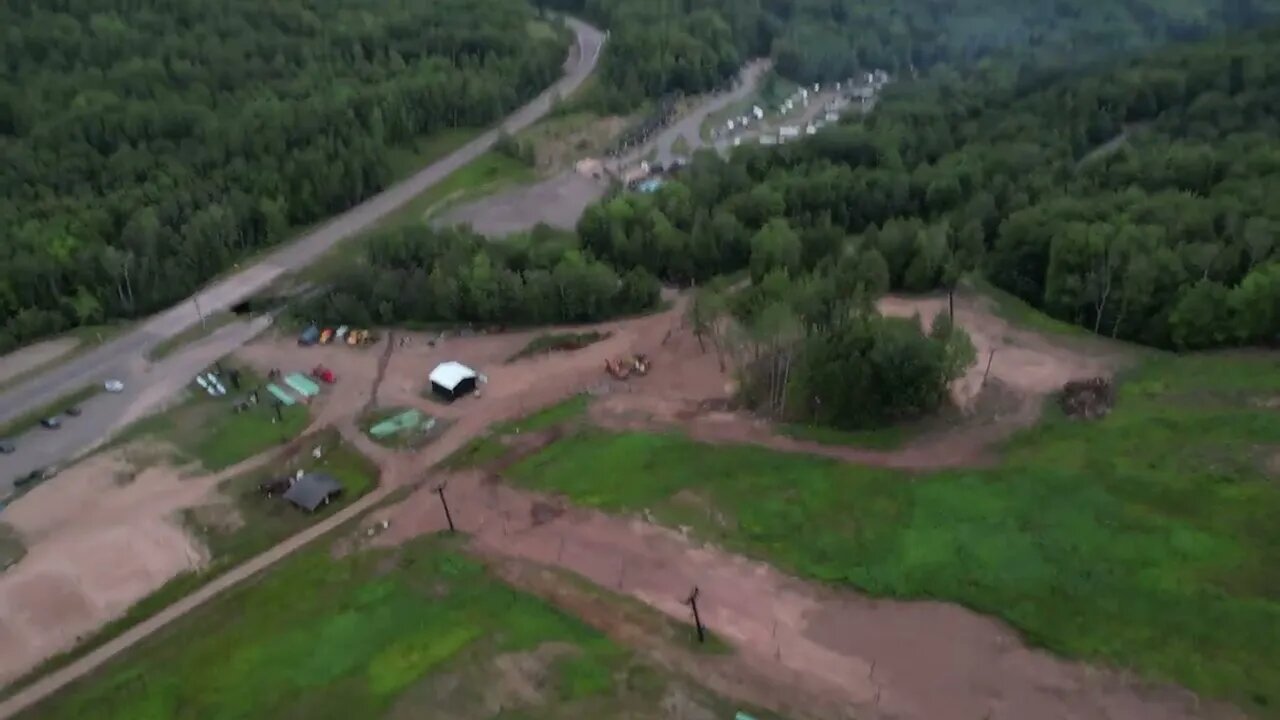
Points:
(1087, 399)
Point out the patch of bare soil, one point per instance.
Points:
(801, 649)
(31, 357)
(95, 546)
(560, 142)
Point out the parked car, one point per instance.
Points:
(7, 446)
(35, 476)
(113, 386)
(74, 411)
(309, 336)
(51, 423)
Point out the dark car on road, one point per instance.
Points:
(35, 476)
(73, 411)
(51, 423)
(7, 446)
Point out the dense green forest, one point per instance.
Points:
(661, 46)
(1134, 199)
(146, 146)
(421, 275)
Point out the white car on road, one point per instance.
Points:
(113, 386)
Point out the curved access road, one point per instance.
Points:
(117, 357)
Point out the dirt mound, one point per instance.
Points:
(1087, 399)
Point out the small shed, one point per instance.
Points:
(451, 380)
(313, 491)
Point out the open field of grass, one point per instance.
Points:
(420, 632)
(264, 521)
(207, 430)
(1147, 540)
(489, 446)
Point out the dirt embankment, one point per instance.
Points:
(808, 651)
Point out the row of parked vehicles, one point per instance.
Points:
(314, 335)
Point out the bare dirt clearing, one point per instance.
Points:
(841, 654)
(100, 537)
(559, 142)
(20, 362)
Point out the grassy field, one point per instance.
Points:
(266, 521)
(1148, 540)
(207, 430)
(422, 632)
(489, 446)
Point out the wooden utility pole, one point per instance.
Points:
(697, 619)
(445, 504)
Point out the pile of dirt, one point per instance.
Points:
(1087, 399)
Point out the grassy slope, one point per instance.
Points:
(207, 430)
(1148, 540)
(360, 637)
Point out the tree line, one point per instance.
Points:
(807, 349)
(664, 46)
(422, 275)
(1132, 198)
(149, 146)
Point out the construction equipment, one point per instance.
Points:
(623, 368)
(324, 374)
(640, 364)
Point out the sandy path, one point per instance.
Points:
(874, 659)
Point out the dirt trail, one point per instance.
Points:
(871, 659)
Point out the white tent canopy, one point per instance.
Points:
(449, 374)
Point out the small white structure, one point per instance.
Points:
(810, 129)
(451, 380)
(758, 112)
(768, 140)
(729, 124)
(832, 116)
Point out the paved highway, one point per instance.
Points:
(119, 358)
